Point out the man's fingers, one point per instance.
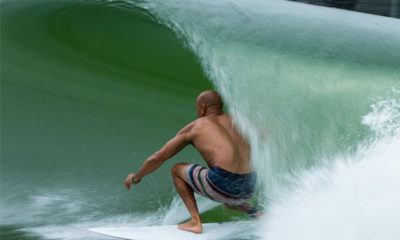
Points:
(127, 183)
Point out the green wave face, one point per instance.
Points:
(88, 93)
(91, 89)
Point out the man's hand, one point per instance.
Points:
(128, 180)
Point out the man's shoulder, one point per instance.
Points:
(188, 127)
(200, 123)
(196, 124)
(192, 127)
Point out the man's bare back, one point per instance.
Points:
(220, 144)
(229, 180)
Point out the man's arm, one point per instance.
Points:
(172, 147)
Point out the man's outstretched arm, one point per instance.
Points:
(172, 147)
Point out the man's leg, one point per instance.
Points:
(187, 195)
(245, 208)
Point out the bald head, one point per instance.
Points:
(209, 101)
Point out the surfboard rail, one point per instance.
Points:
(210, 231)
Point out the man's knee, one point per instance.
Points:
(178, 168)
(229, 206)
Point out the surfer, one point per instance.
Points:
(230, 178)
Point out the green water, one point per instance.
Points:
(89, 89)
(88, 93)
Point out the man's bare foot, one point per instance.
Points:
(258, 214)
(191, 226)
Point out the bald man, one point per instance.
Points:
(229, 178)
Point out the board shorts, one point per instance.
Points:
(221, 185)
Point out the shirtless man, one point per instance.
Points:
(229, 179)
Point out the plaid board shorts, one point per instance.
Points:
(221, 185)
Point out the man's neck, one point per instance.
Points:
(213, 112)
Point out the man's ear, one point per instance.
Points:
(203, 110)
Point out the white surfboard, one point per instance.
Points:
(210, 231)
